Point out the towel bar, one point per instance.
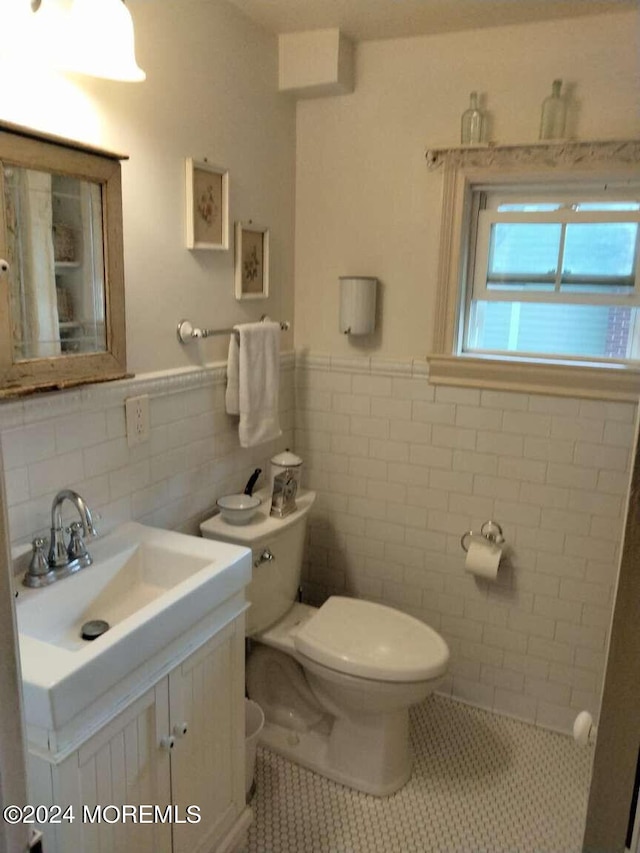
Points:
(187, 332)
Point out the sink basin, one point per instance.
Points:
(115, 589)
(150, 585)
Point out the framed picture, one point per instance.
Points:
(207, 206)
(252, 261)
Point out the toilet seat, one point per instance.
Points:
(371, 641)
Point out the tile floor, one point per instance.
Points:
(481, 782)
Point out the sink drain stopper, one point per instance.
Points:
(94, 629)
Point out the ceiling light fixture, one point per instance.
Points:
(97, 40)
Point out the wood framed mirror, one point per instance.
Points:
(62, 317)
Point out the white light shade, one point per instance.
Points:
(100, 41)
(26, 36)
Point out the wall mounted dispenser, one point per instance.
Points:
(357, 304)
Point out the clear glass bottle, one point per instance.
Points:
(554, 114)
(472, 126)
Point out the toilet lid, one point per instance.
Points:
(372, 641)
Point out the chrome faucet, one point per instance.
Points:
(59, 556)
(63, 559)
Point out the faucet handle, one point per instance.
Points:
(39, 572)
(38, 564)
(77, 550)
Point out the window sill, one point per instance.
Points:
(619, 383)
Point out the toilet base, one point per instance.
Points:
(368, 757)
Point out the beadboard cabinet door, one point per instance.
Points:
(123, 764)
(206, 695)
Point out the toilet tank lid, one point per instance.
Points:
(262, 526)
(372, 641)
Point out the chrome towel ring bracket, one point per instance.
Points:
(490, 530)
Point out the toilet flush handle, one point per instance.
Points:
(265, 557)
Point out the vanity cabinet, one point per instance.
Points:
(180, 744)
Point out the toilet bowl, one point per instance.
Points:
(335, 682)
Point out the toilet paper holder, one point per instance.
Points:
(490, 530)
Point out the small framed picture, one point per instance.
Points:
(207, 206)
(252, 261)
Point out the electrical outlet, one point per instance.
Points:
(137, 410)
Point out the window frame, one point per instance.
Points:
(466, 169)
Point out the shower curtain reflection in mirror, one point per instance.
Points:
(55, 249)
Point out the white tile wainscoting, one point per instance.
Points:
(403, 469)
(77, 439)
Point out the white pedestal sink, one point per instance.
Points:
(155, 588)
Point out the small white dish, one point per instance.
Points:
(238, 509)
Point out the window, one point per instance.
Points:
(539, 279)
(554, 274)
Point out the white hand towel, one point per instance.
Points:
(232, 395)
(253, 377)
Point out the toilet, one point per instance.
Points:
(335, 682)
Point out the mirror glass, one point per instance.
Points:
(56, 256)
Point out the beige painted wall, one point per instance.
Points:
(366, 204)
(211, 91)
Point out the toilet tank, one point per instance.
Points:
(274, 584)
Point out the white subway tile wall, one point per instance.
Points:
(77, 439)
(402, 469)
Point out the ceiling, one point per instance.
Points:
(378, 19)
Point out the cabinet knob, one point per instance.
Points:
(167, 743)
(180, 729)
(4, 265)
